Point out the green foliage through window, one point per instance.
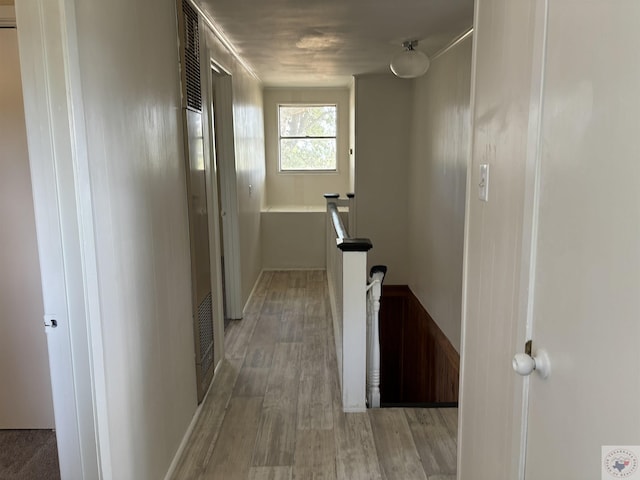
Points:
(308, 137)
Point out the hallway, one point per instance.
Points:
(274, 411)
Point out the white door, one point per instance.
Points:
(586, 301)
(25, 393)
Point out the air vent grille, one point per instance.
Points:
(205, 329)
(192, 56)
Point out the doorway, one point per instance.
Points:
(216, 165)
(222, 146)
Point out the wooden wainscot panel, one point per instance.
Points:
(393, 306)
(418, 363)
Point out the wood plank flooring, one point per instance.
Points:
(274, 413)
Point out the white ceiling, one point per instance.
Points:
(325, 42)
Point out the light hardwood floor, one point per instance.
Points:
(273, 412)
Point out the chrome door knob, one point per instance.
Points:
(524, 364)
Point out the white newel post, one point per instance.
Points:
(347, 275)
(354, 331)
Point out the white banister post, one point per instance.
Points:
(373, 336)
(352, 214)
(354, 331)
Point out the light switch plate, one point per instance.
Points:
(483, 185)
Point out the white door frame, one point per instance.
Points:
(213, 207)
(63, 207)
(531, 202)
(222, 95)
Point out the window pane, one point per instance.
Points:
(308, 154)
(308, 121)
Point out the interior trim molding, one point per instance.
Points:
(187, 435)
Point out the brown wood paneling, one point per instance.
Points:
(392, 318)
(418, 363)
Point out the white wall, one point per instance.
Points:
(132, 101)
(383, 108)
(128, 66)
(249, 131)
(250, 161)
(25, 396)
(294, 239)
(411, 149)
(437, 185)
(293, 220)
(298, 189)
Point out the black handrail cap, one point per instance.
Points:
(355, 245)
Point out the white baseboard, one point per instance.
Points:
(292, 269)
(187, 435)
(253, 290)
(354, 410)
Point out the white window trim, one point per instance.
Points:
(316, 171)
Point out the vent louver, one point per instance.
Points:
(205, 325)
(192, 56)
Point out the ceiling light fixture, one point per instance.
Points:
(410, 63)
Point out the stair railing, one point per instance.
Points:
(347, 277)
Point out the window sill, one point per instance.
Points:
(308, 172)
(298, 209)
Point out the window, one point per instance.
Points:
(307, 138)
